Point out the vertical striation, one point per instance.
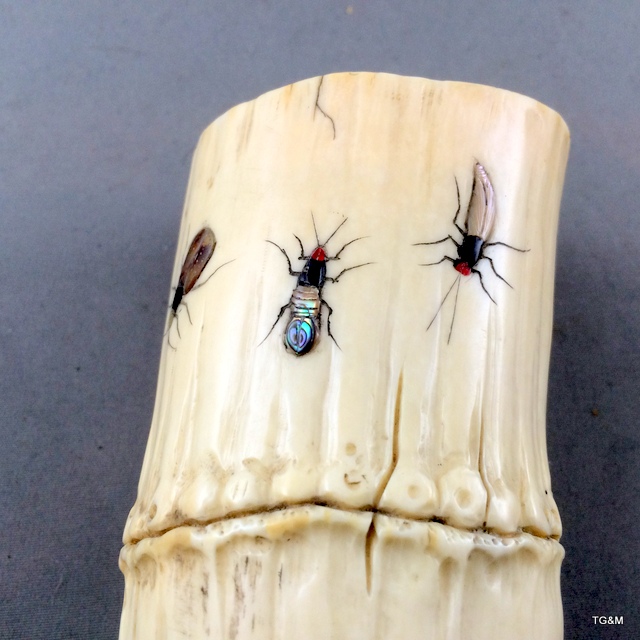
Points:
(393, 480)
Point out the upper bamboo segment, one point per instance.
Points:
(445, 423)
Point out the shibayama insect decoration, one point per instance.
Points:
(478, 225)
(305, 321)
(200, 252)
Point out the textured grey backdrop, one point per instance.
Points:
(101, 104)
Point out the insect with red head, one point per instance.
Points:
(303, 329)
(478, 225)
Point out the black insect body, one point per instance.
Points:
(303, 329)
(200, 252)
(478, 226)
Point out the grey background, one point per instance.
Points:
(101, 104)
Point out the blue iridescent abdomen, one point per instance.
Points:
(302, 329)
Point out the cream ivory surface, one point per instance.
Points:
(302, 573)
(397, 420)
(395, 416)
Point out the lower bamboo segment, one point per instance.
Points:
(319, 573)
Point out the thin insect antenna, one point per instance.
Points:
(443, 301)
(326, 242)
(455, 306)
(224, 264)
(315, 230)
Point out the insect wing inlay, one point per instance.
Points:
(482, 209)
(198, 256)
(200, 251)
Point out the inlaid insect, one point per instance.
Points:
(305, 321)
(481, 214)
(200, 252)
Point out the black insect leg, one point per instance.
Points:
(455, 218)
(323, 302)
(430, 264)
(167, 333)
(336, 278)
(301, 256)
(284, 253)
(337, 256)
(282, 310)
(504, 244)
(482, 283)
(455, 222)
(174, 315)
(449, 237)
(184, 304)
(494, 270)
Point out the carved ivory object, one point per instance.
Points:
(392, 482)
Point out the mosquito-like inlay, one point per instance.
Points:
(481, 215)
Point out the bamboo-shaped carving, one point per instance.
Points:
(346, 443)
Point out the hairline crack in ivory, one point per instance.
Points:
(349, 436)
